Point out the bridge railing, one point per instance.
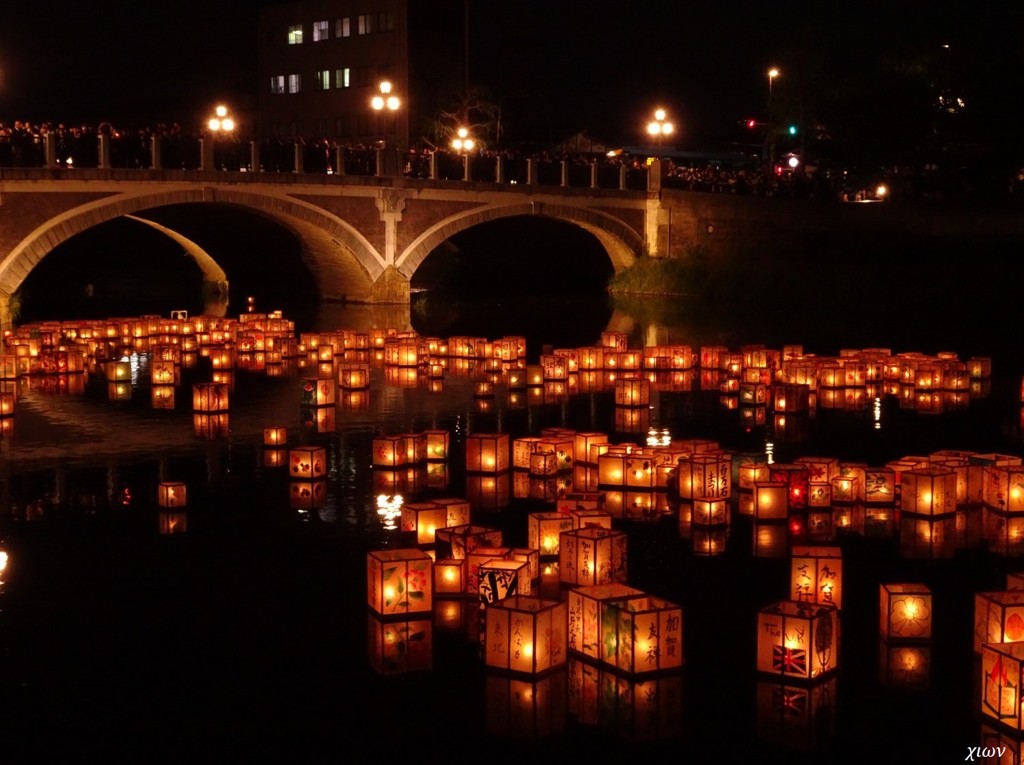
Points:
(173, 152)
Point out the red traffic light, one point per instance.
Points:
(751, 124)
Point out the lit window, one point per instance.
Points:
(386, 21)
(320, 30)
(295, 34)
(294, 83)
(365, 24)
(343, 27)
(323, 79)
(277, 84)
(343, 78)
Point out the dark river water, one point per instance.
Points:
(247, 634)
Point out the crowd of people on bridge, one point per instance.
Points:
(24, 144)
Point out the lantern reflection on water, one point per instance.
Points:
(397, 647)
(526, 708)
(796, 716)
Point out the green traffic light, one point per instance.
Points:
(792, 129)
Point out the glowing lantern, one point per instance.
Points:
(275, 437)
(750, 472)
(705, 476)
(307, 462)
(771, 500)
(641, 634)
(879, 486)
(487, 452)
(397, 647)
(450, 577)
(543, 530)
(501, 578)
(585, 615)
(796, 477)
(816, 575)
(458, 541)
(632, 392)
(905, 611)
(1002, 671)
(437, 442)
(592, 556)
(353, 375)
(1004, 488)
(456, 510)
(400, 581)
(525, 634)
(798, 640)
(390, 451)
(998, 618)
(172, 494)
(423, 518)
(928, 491)
(317, 392)
(979, 471)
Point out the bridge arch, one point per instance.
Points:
(342, 259)
(622, 244)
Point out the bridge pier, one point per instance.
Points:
(391, 287)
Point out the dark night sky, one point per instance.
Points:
(559, 65)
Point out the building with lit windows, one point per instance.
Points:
(322, 62)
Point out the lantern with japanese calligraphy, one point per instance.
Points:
(456, 510)
(928, 491)
(905, 611)
(998, 617)
(525, 634)
(1003, 488)
(641, 634)
(750, 472)
(1002, 674)
(584, 615)
(307, 462)
(353, 375)
(275, 437)
(487, 452)
(879, 485)
(797, 640)
(400, 581)
(543, 531)
(397, 647)
(172, 494)
(592, 556)
(816, 575)
(705, 476)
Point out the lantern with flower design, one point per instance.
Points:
(797, 640)
(400, 581)
(641, 634)
(544, 529)
(998, 617)
(1002, 675)
(584, 614)
(905, 611)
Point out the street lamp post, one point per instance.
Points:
(220, 123)
(660, 126)
(384, 101)
(463, 143)
(772, 74)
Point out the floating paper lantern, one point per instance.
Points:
(307, 462)
(275, 437)
(641, 634)
(210, 397)
(456, 510)
(317, 392)
(1002, 672)
(487, 452)
(771, 500)
(584, 615)
(797, 640)
(1003, 488)
(450, 577)
(398, 647)
(437, 444)
(705, 476)
(172, 494)
(816, 575)
(592, 556)
(543, 463)
(928, 491)
(998, 618)
(501, 578)
(880, 485)
(424, 519)
(353, 376)
(525, 634)
(400, 581)
(543, 530)
(583, 518)
(458, 541)
(632, 392)
(796, 477)
(905, 611)
(390, 451)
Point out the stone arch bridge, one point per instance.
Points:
(361, 237)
